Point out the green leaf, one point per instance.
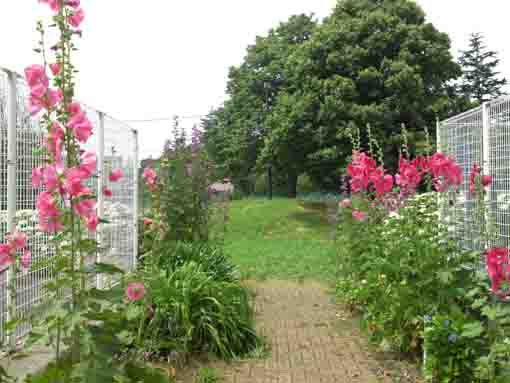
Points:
(106, 268)
(472, 330)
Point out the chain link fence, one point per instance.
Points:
(116, 147)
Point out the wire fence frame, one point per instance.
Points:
(20, 134)
(482, 136)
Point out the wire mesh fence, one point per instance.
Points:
(481, 136)
(116, 147)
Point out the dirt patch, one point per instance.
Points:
(309, 341)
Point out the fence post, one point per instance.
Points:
(135, 201)
(12, 117)
(100, 196)
(486, 159)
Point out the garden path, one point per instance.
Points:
(309, 340)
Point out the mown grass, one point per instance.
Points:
(280, 239)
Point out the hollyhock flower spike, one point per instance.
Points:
(26, 259)
(497, 262)
(135, 291)
(116, 175)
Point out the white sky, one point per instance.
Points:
(156, 58)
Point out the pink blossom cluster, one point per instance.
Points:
(41, 95)
(151, 178)
(473, 176)
(77, 14)
(498, 267)
(14, 242)
(364, 172)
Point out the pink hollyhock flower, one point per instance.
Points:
(26, 259)
(150, 177)
(77, 18)
(54, 141)
(79, 123)
(35, 105)
(409, 177)
(73, 183)
(92, 223)
(135, 291)
(50, 177)
(475, 172)
(38, 91)
(85, 208)
(445, 172)
(49, 214)
(497, 262)
(486, 180)
(107, 192)
(346, 203)
(73, 3)
(88, 163)
(37, 175)
(18, 240)
(383, 183)
(53, 98)
(147, 221)
(359, 215)
(360, 169)
(5, 255)
(74, 108)
(54, 4)
(36, 76)
(116, 175)
(55, 68)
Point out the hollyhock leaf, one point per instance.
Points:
(106, 268)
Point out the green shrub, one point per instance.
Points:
(192, 312)
(209, 255)
(397, 269)
(452, 345)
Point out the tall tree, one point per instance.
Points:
(374, 62)
(480, 79)
(236, 132)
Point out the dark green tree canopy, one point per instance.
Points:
(480, 79)
(302, 88)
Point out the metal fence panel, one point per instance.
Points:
(480, 136)
(117, 238)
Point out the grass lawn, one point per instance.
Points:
(280, 239)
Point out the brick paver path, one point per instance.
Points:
(299, 321)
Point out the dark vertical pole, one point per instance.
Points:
(270, 181)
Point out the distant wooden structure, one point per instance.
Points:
(221, 190)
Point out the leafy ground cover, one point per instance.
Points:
(280, 239)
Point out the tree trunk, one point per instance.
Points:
(292, 183)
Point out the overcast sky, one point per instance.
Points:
(156, 58)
